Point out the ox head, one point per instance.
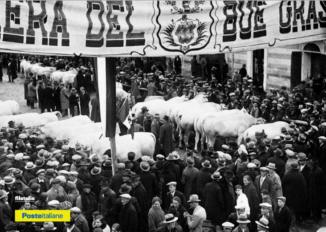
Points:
(73, 70)
(260, 121)
(201, 97)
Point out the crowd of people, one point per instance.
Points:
(261, 185)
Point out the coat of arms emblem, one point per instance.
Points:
(183, 25)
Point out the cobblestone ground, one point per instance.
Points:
(15, 91)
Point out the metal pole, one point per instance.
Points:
(111, 109)
(113, 155)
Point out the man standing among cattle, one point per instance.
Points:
(166, 136)
(155, 129)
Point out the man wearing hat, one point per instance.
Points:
(291, 182)
(227, 226)
(155, 129)
(128, 219)
(172, 193)
(276, 180)
(282, 216)
(131, 158)
(73, 177)
(11, 227)
(7, 164)
(80, 221)
(262, 225)
(202, 177)
(139, 192)
(266, 210)
(320, 151)
(166, 136)
(83, 173)
(72, 193)
(28, 175)
(96, 179)
(5, 209)
(303, 167)
(263, 181)
(214, 200)
(87, 203)
(116, 180)
(56, 190)
(278, 161)
(169, 224)
(243, 224)
(195, 221)
(40, 179)
(107, 199)
(107, 169)
(148, 181)
(147, 123)
(188, 175)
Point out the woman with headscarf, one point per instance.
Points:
(155, 215)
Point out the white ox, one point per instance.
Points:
(64, 76)
(28, 67)
(118, 85)
(187, 115)
(150, 98)
(22, 66)
(72, 129)
(142, 144)
(31, 119)
(158, 106)
(226, 125)
(270, 129)
(85, 139)
(179, 106)
(39, 70)
(9, 107)
(121, 94)
(60, 128)
(198, 125)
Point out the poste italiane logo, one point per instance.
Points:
(42, 215)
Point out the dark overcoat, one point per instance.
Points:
(283, 219)
(169, 199)
(106, 201)
(267, 184)
(48, 97)
(321, 156)
(253, 200)
(128, 218)
(167, 177)
(84, 104)
(166, 139)
(213, 202)
(202, 178)
(149, 181)
(140, 194)
(291, 183)
(317, 189)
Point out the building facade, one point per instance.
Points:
(283, 66)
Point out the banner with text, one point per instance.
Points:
(157, 28)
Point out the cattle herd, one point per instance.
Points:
(187, 162)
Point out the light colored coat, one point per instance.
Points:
(195, 221)
(72, 197)
(64, 98)
(277, 186)
(52, 194)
